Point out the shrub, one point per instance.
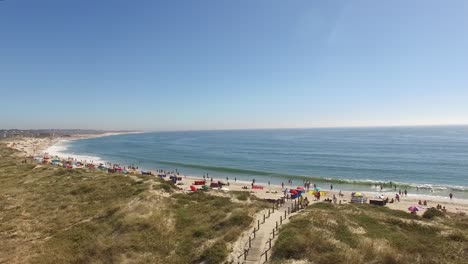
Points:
(217, 253)
(431, 213)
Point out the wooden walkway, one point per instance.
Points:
(259, 247)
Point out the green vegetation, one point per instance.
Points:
(55, 215)
(325, 233)
(432, 213)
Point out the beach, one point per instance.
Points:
(34, 146)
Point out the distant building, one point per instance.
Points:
(44, 135)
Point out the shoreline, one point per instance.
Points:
(457, 205)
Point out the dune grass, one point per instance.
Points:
(55, 215)
(326, 233)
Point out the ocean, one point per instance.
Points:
(424, 160)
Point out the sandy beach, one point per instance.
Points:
(276, 192)
(39, 146)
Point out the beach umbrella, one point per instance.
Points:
(193, 188)
(413, 209)
(317, 188)
(357, 194)
(293, 192)
(300, 188)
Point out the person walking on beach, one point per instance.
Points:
(235, 179)
(451, 196)
(282, 185)
(406, 192)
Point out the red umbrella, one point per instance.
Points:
(193, 188)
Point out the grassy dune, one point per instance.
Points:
(325, 233)
(53, 215)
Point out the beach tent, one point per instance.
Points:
(300, 189)
(321, 193)
(295, 193)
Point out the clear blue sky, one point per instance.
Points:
(170, 65)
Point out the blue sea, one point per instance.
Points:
(424, 160)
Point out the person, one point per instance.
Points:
(406, 193)
(268, 183)
(451, 196)
(444, 210)
(420, 203)
(235, 179)
(282, 185)
(331, 187)
(425, 202)
(306, 202)
(397, 197)
(334, 199)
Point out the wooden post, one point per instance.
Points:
(254, 232)
(276, 225)
(245, 254)
(285, 216)
(269, 242)
(273, 233)
(263, 218)
(266, 256)
(273, 208)
(281, 220)
(250, 242)
(289, 210)
(258, 224)
(268, 213)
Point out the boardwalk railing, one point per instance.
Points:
(295, 207)
(242, 257)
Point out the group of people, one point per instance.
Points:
(442, 208)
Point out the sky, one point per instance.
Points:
(191, 65)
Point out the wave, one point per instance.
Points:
(363, 182)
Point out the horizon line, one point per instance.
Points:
(232, 129)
